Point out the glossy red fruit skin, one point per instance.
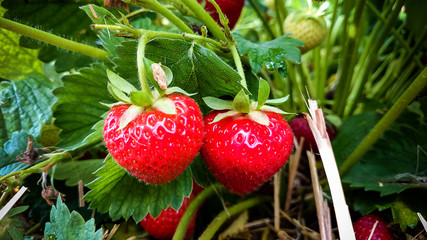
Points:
(364, 225)
(300, 128)
(164, 226)
(243, 154)
(230, 8)
(156, 147)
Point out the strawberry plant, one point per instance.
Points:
(121, 117)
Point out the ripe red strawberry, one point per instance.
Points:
(164, 226)
(300, 128)
(371, 227)
(230, 8)
(308, 27)
(156, 147)
(241, 153)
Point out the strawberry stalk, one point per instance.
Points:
(345, 108)
(349, 46)
(192, 208)
(238, 62)
(281, 14)
(159, 8)
(419, 83)
(203, 16)
(226, 214)
(140, 55)
(53, 39)
(261, 17)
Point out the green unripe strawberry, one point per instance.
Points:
(308, 27)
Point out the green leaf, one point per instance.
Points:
(12, 148)
(123, 195)
(165, 105)
(194, 68)
(273, 109)
(74, 171)
(17, 210)
(352, 132)
(223, 115)
(25, 105)
(12, 228)
(117, 94)
(200, 172)
(217, 103)
(120, 83)
(100, 15)
(129, 115)
(277, 101)
(15, 61)
(263, 93)
(259, 117)
(404, 215)
(178, 90)
(394, 163)
(271, 54)
(78, 107)
(66, 225)
(241, 102)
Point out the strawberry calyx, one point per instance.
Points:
(157, 98)
(242, 105)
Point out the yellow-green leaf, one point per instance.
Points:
(15, 61)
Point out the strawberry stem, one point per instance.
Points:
(225, 215)
(184, 36)
(411, 92)
(159, 8)
(238, 62)
(193, 207)
(258, 11)
(142, 73)
(203, 16)
(53, 39)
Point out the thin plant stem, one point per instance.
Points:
(183, 36)
(277, 177)
(159, 8)
(140, 58)
(281, 13)
(363, 78)
(193, 207)
(261, 16)
(203, 16)
(238, 63)
(53, 39)
(419, 83)
(349, 58)
(224, 215)
(326, 56)
(395, 33)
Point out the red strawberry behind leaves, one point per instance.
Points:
(371, 227)
(247, 145)
(230, 8)
(300, 128)
(164, 226)
(154, 135)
